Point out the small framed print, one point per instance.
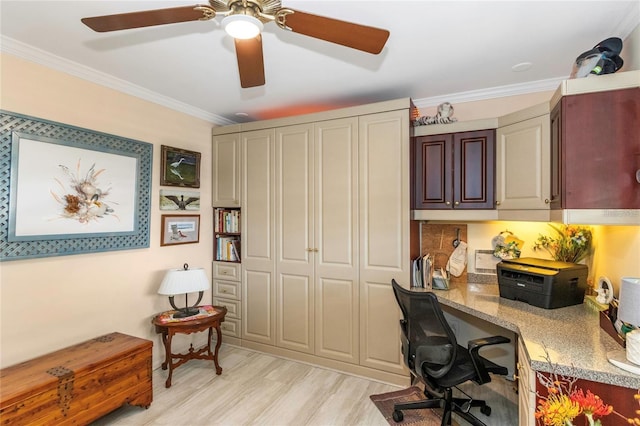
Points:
(180, 167)
(179, 229)
(179, 200)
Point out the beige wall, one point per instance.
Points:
(54, 302)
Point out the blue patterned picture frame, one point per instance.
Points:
(16, 128)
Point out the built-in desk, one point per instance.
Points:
(572, 336)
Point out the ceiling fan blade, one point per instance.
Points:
(361, 37)
(148, 18)
(250, 61)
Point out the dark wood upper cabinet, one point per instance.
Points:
(595, 151)
(455, 170)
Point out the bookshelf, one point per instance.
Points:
(226, 241)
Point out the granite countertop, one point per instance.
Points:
(572, 336)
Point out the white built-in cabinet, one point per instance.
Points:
(384, 234)
(325, 227)
(526, 388)
(316, 238)
(523, 160)
(258, 237)
(226, 170)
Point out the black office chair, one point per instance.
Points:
(432, 354)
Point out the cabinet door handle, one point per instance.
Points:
(448, 203)
(223, 291)
(497, 203)
(547, 201)
(457, 203)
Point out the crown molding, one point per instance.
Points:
(33, 54)
(492, 92)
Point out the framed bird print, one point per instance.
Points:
(179, 167)
(179, 200)
(179, 229)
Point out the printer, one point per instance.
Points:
(547, 284)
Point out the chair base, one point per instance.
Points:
(460, 406)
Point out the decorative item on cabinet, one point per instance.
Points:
(443, 116)
(454, 170)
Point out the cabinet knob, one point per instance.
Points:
(448, 203)
(638, 175)
(457, 203)
(547, 201)
(223, 291)
(497, 203)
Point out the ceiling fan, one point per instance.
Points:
(243, 20)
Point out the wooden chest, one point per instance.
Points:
(78, 384)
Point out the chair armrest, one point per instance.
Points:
(474, 347)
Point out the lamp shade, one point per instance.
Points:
(182, 281)
(628, 308)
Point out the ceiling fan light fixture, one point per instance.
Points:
(242, 26)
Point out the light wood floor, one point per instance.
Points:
(260, 389)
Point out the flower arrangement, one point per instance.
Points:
(571, 243)
(565, 402)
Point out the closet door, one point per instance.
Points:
(226, 170)
(295, 247)
(384, 234)
(258, 237)
(336, 238)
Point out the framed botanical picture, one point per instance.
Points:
(68, 190)
(179, 229)
(180, 200)
(179, 167)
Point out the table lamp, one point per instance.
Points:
(185, 280)
(629, 313)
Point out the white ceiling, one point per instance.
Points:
(438, 50)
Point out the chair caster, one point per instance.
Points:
(397, 416)
(486, 410)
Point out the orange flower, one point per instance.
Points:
(558, 410)
(591, 404)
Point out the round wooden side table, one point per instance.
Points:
(168, 326)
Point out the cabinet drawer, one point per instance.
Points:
(230, 327)
(233, 306)
(226, 289)
(226, 271)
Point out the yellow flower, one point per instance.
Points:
(557, 410)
